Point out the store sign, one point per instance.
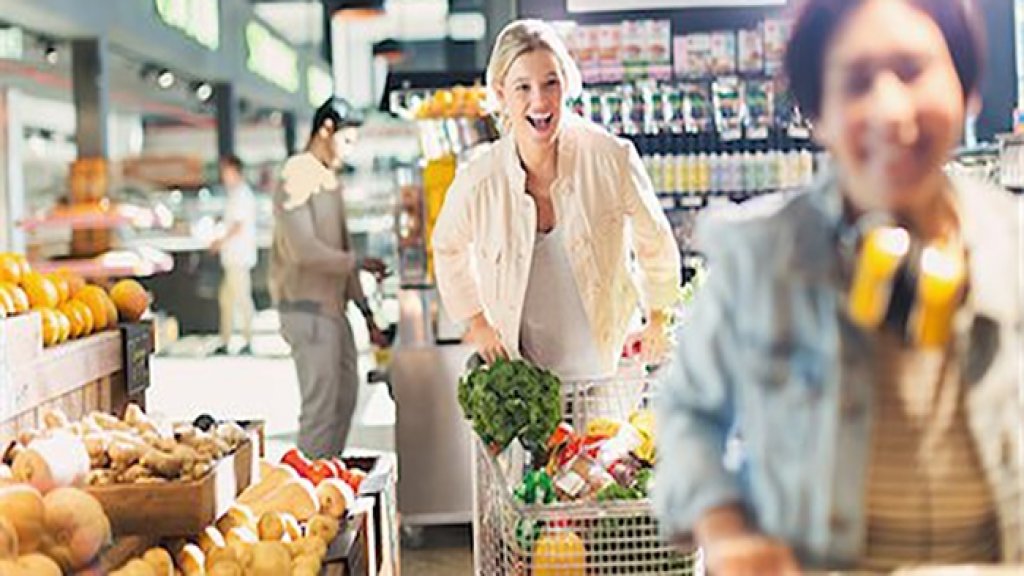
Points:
(617, 5)
(197, 19)
(320, 85)
(271, 57)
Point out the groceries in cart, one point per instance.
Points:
(610, 460)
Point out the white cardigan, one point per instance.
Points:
(484, 237)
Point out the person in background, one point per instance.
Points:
(546, 218)
(315, 274)
(863, 446)
(238, 255)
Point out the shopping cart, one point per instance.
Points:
(617, 537)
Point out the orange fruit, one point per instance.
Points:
(75, 282)
(112, 313)
(51, 326)
(7, 302)
(85, 314)
(40, 290)
(21, 303)
(95, 299)
(23, 264)
(10, 268)
(63, 288)
(74, 314)
(64, 323)
(131, 300)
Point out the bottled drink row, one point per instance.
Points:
(734, 173)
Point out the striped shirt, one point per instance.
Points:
(927, 497)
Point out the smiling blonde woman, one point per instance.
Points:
(532, 247)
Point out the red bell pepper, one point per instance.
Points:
(320, 471)
(298, 462)
(356, 478)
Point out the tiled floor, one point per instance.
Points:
(186, 383)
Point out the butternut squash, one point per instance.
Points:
(269, 559)
(23, 506)
(77, 526)
(52, 462)
(210, 539)
(323, 527)
(272, 477)
(271, 527)
(297, 497)
(191, 560)
(160, 560)
(335, 497)
(291, 527)
(238, 515)
(135, 567)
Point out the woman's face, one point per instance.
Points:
(892, 106)
(532, 96)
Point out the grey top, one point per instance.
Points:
(556, 333)
(312, 258)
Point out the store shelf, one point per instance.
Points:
(138, 263)
(117, 217)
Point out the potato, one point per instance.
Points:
(162, 463)
(123, 454)
(134, 473)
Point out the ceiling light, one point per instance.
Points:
(165, 79)
(203, 91)
(50, 54)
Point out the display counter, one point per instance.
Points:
(432, 438)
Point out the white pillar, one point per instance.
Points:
(12, 178)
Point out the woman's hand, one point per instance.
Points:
(732, 549)
(749, 555)
(482, 336)
(653, 343)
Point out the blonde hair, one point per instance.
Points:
(525, 36)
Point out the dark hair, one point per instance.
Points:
(339, 111)
(232, 161)
(818, 21)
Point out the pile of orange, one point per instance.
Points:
(69, 308)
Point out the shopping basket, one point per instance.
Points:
(618, 537)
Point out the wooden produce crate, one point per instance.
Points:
(380, 490)
(77, 377)
(177, 508)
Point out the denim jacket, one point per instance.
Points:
(769, 352)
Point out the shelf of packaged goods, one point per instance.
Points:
(139, 263)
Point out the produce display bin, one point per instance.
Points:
(617, 537)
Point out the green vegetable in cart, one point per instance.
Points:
(536, 488)
(644, 481)
(509, 400)
(616, 491)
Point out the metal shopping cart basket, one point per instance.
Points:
(618, 537)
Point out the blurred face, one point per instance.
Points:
(332, 146)
(892, 106)
(229, 176)
(532, 96)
